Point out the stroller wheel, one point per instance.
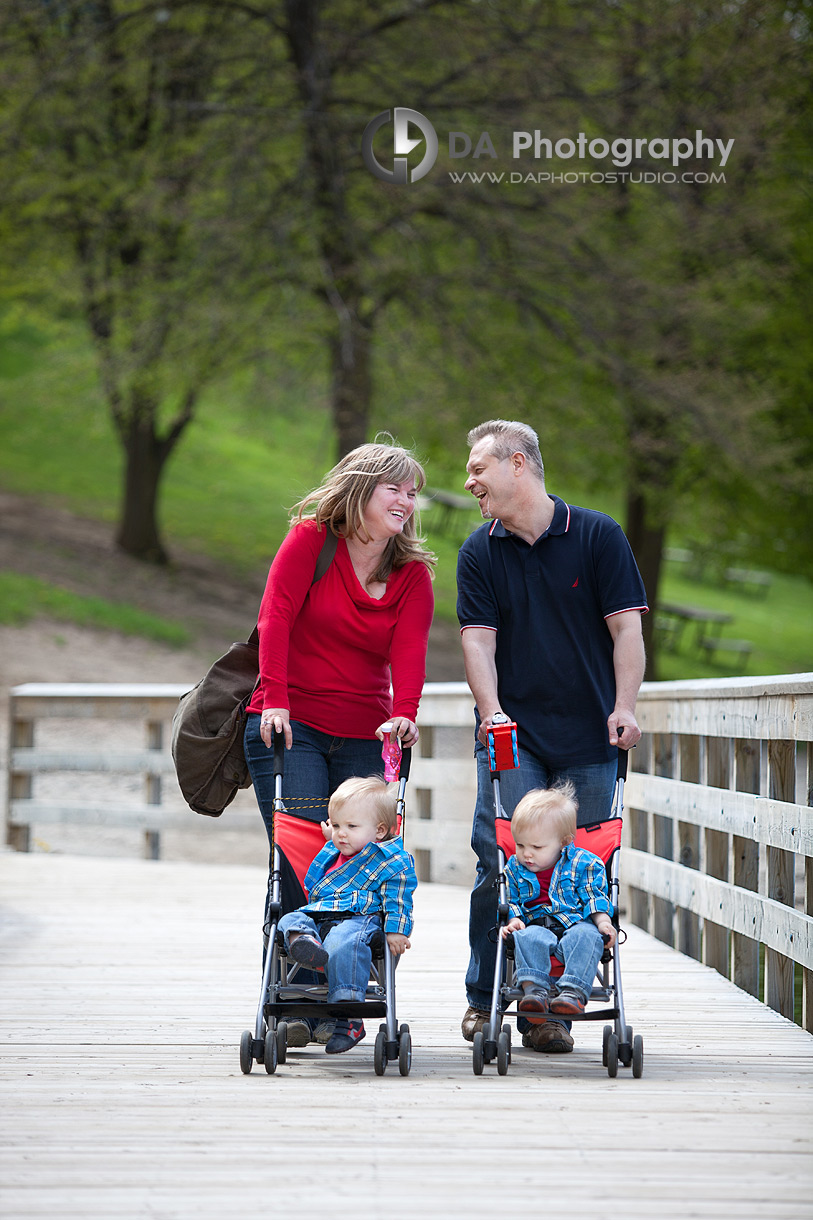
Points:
(637, 1056)
(503, 1053)
(270, 1052)
(506, 1029)
(478, 1056)
(404, 1050)
(612, 1054)
(282, 1041)
(380, 1052)
(246, 1057)
(608, 1029)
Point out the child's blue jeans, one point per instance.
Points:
(580, 949)
(348, 946)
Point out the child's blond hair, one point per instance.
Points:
(383, 796)
(557, 806)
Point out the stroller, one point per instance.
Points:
(619, 1044)
(282, 996)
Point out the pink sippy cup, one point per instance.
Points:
(391, 753)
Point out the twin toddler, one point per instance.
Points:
(557, 898)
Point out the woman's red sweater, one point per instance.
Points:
(328, 650)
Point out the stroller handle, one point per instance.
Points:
(623, 759)
(406, 759)
(279, 753)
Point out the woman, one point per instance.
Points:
(329, 648)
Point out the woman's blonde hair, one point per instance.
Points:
(384, 799)
(340, 501)
(557, 807)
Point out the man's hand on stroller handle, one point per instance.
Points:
(400, 727)
(398, 943)
(623, 728)
(276, 719)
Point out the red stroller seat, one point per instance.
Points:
(601, 838)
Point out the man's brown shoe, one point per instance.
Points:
(552, 1038)
(473, 1020)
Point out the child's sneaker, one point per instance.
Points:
(568, 1003)
(345, 1036)
(308, 951)
(534, 1005)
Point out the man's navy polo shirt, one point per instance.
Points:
(548, 604)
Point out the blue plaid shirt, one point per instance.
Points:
(381, 877)
(578, 888)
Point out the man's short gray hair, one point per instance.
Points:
(510, 436)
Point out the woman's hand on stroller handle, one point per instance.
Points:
(399, 728)
(276, 720)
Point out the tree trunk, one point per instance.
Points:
(145, 455)
(352, 388)
(646, 540)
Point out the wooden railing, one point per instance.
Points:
(718, 855)
(718, 851)
(80, 734)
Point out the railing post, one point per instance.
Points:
(715, 937)
(663, 911)
(153, 795)
(744, 949)
(689, 848)
(20, 785)
(778, 968)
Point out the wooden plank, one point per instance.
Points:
(126, 762)
(775, 925)
(765, 820)
(127, 985)
(132, 817)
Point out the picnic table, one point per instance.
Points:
(449, 504)
(709, 623)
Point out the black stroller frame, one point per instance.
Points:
(281, 997)
(619, 1044)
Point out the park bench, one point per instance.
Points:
(740, 650)
(748, 579)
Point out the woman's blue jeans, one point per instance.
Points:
(580, 949)
(594, 785)
(348, 946)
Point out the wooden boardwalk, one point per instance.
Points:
(126, 984)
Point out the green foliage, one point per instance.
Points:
(23, 598)
(264, 438)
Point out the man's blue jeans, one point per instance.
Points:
(580, 949)
(348, 944)
(594, 785)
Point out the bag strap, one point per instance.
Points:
(323, 562)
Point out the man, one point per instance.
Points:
(549, 602)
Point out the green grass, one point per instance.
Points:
(23, 598)
(259, 441)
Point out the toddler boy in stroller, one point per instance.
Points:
(364, 869)
(558, 903)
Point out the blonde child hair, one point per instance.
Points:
(557, 806)
(382, 795)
